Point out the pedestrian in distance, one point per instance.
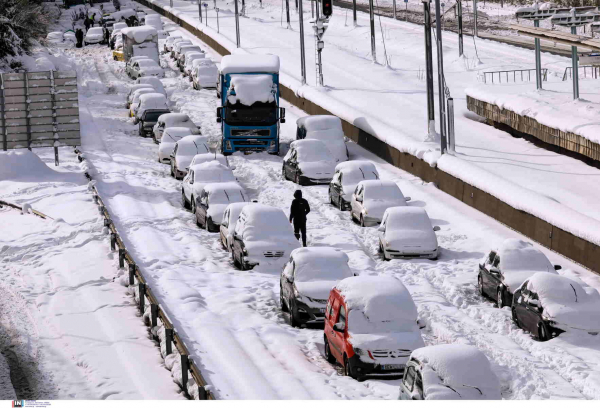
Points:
(298, 212)
(86, 23)
(79, 37)
(106, 35)
(93, 19)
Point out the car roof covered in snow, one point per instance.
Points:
(516, 254)
(152, 17)
(360, 166)
(381, 189)
(453, 371)
(119, 26)
(153, 98)
(177, 132)
(320, 264)
(311, 150)
(413, 218)
(319, 122)
(226, 186)
(211, 166)
(147, 63)
(264, 222)
(237, 64)
(380, 298)
(171, 118)
(205, 62)
(206, 157)
(139, 34)
(191, 139)
(95, 30)
(143, 91)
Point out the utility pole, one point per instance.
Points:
(200, 10)
(302, 56)
(441, 91)
(372, 18)
(575, 67)
(475, 32)
(429, 69)
(394, 9)
(287, 11)
(237, 25)
(460, 27)
(538, 59)
(354, 11)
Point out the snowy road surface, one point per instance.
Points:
(231, 320)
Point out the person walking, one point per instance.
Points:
(106, 35)
(298, 212)
(79, 37)
(86, 23)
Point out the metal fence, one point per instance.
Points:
(39, 109)
(592, 71)
(515, 74)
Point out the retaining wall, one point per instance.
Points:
(566, 244)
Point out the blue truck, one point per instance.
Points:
(249, 114)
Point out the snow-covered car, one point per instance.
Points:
(406, 232)
(55, 37)
(263, 236)
(154, 82)
(146, 67)
(149, 101)
(327, 129)
(154, 20)
(183, 50)
(546, 305)
(168, 140)
(133, 60)
(94, 35)
(167, 46)
(184, 152)
(148, 119)
(200, 175)
(449, 372)
(207, 157)
(205, 74)
(505, 269)
(134, 88)
(190, 57)
(116, 34)
(372, 197)
(371, 326)
(308, 162)
(347, 175)
(174, 120)
(135, 99)
(230, 217)
(177, 44)
(306, 281)
(214, 199)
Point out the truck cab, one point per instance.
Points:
(249, 113)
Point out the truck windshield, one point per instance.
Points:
(258, 114)
(152, 116)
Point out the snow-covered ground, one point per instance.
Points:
(231, 320)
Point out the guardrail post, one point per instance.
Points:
(153, 315)
(142, 295)
(95, 196)
(185, 367)
(101, 209)
(169, 340)
(121, 258)
(202, 394)
(113, 241)
(131, 274)
(106, 222)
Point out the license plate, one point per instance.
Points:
(392, 366)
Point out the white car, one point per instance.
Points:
(207, 157)
(183, 50)
(372, 197)
(153, 20)
(213, 200)
(167, 142)
(347, 175)
(169, 42)
(146, 67)
(205, 74)
(174, 120)
(308, 162)
(184, 152)
(306, 281)
(200, 175)
(134, 88)
(177, 46)
(94, 35)
(449, 372)
(263, 236)
(190, 57)
(132, 60)
(327, 129)
(230, 217)
(135, 98)
(406, 232)
(154, 82)
(116, 33)
(149, 101)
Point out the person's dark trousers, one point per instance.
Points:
(300, 228)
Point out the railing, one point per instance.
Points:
(145, 296)
(594, 71)
(523, 74)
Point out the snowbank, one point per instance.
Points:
(251, 88)
(23, 165)
(248, 63)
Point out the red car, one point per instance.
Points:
(371, 326)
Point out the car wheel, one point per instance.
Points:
(362, 221)
(281, 301)
(184, 201)
(330, 358)
(208, 224)
(347, 369)
(500, 299)
(542, 332)
(141, 129)
(480, 285)
(514, 317)
(331, 198)
(235, 261)
(293, 321)
(297, 179)
(341, 204)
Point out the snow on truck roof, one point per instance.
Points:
(139, 34)
(237, 64)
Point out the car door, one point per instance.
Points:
(408, 383)
(486, 274)
(381, 229)
(333, 336)
(339, 338)
(358, 200)
(333, 187)
(291, 164)
(531, 312)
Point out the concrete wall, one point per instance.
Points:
(577, 249)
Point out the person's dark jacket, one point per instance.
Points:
(299, 208)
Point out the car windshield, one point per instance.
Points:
(152, 116)
(313, 155)
(226, 197)
(95, 30)
(359, 174)
(147, 63)
(191, 148)
(258, 114)
(410, 220)
(385, 192)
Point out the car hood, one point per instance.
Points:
(412, 239)
(403, 343)
(317, 170)
(183, 162)
(318, 290)
(256, 248)
(584, 316)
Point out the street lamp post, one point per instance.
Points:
(237, 25)
(441, 82)
(302, 56)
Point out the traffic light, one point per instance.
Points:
(327, 7)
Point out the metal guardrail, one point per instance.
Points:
(594, 72)
(525, 74)
(188, 366)
(16, 207)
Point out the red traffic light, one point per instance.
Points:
(327, 8)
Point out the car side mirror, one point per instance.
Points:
(406, 198)
(219, 114)
(381, 228)
(282, 115)
(557, 267)
(339, 327)
(436, 228)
